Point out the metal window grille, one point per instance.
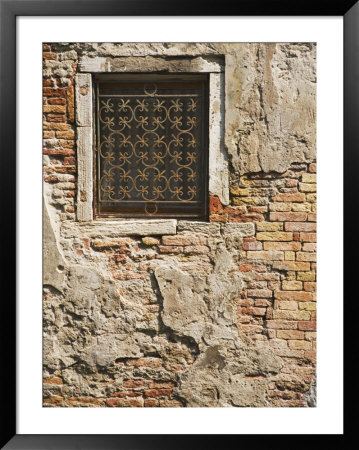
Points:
(152, 147)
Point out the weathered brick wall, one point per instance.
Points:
(219, 314)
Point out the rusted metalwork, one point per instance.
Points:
(152, 147)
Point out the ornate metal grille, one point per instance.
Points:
(152, 148)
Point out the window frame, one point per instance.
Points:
(218, 173)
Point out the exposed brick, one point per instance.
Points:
(287, 216)
(299, 296)
(269, 226)
(274, 236)
(145, 362)
(215, 206)
(291, 315)
(309, 247)
(281, 324)
(300, 226)
(307, 187)
(290, 334)
(252, 245)
(158, 392)
(262, 293)
(53, 380)
(265, 255)
(289, 246)
(56, 118)
(291, 265)
(307, 325)
(308, 306)
(300, 345)
(297, 197)
(310, 286)
(306, 276)
(125, 402)
(305, 256)
(54, 109)
(292, 285)
(50, 92)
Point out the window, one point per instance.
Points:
(151, 146)
(160, 199)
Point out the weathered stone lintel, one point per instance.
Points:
(107, 228)
(151, 64)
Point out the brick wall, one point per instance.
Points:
(277, 263)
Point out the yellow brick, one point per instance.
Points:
(310, 336)
(291, 315)
(289, 256)
(309, 178)
(54, 109)
(292, 285)
(291, 265)
(275, 236)
(307, 187)
(266, 255)
(299, 345)
(308, 306)
(241, 192)
(312, 198)
(259, 201)
(289, 246)
(301, 207)
(269, 226)
(284, 305)
(306, 276)
(305, 256)
(281, 207)
(290, 334)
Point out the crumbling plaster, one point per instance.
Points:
(90, 324)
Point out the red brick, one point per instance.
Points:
(287, 216)
(123, 394)
(215, 206)
(56, 101)
(125, 402)
(56, 118)
(296, 197)
(49, 55)
(145, 362)
(299, 296)
(252, 311)
(308, 237)
(58, 151)
(151, 402)
(307, 325)
(158, 392)
(50, 92)
(53, 380)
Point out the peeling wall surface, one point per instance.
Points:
(178, 313)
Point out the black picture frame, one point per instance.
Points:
(9, 10)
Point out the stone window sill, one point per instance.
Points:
(116, 228)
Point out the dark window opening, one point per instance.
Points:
(152, 146)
